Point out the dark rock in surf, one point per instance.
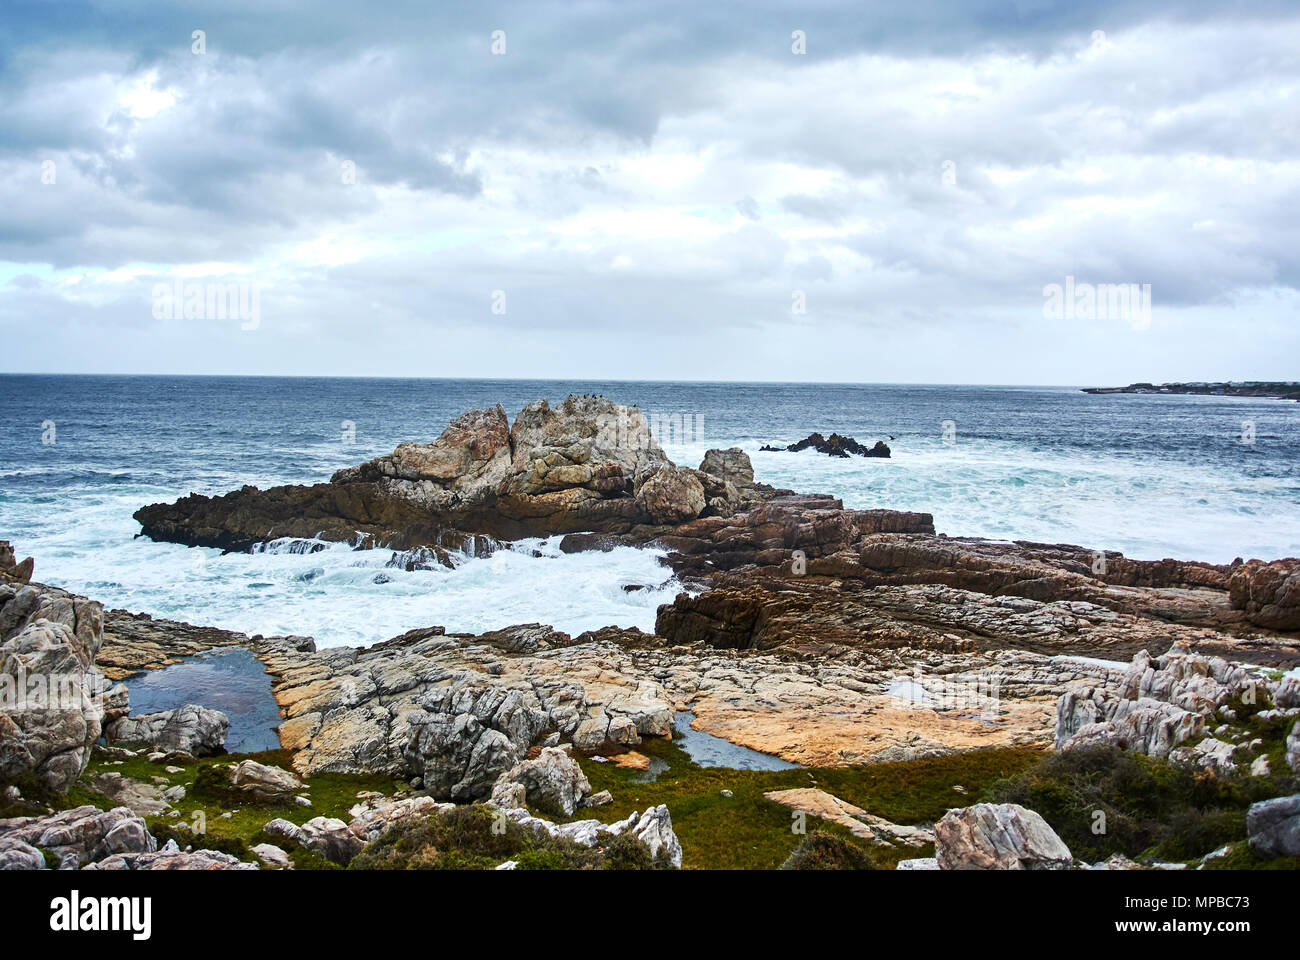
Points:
(835, 446)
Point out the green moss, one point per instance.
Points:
(1241, 857)
(748, 831)
(202, 824)
(474, 838)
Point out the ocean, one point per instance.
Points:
(1200, 478)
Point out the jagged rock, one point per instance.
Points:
(1159, 705)
(194, 729)
(1117, 861)
(1274, 827)
(654, 828)
(1002, 836)
(836, 446)
(372, 817)
(734, 473)
(420, 558)
(552, 782)
(576, 467)
(82, 834)
(672, 495)
(172, 859)
(921, 863)
(53, 699)
(1293, 748)
(17, 855)
(263, 783)
(602, 799)
(325, 836)
(10, 568)
(1269, 593)
(1209, 753)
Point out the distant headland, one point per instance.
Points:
(1276, 389)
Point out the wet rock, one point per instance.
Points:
(572, 468)
(837, 446)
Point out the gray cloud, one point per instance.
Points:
(649, 183)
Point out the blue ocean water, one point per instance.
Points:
(1152, 476)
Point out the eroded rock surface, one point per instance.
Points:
(998, 836)
(54, 701)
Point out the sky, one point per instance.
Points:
(618, 189)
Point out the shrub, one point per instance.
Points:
(825, 851)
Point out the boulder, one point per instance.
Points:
(325, 836)
(194, 729)
(1001, 836)
(272, 856)
(1293, 747)
(552, 782)
(1274, 827)
(53, 700)
(263, 783)
(672, 495)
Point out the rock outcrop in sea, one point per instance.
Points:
(820, 635)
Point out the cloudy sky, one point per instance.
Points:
(665, 190)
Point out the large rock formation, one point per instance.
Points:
(1163, 707)
(82, 834)
(581, 466)
(1269, 593)
(53, 699)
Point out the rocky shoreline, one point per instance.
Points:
(1270, 390)
(828, 637)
